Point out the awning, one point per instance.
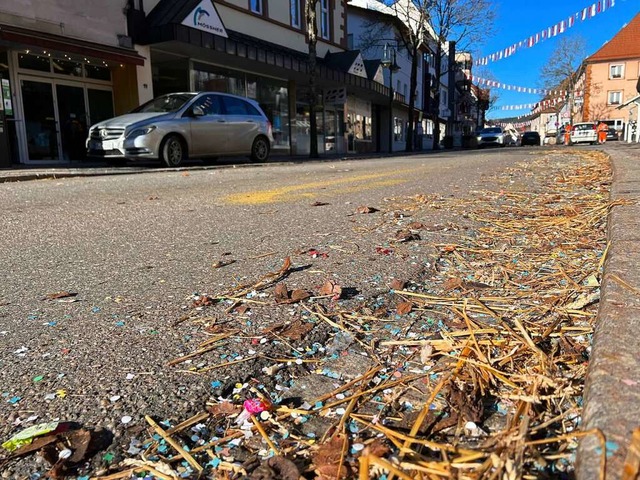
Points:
(49, 41)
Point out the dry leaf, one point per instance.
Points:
(299, 295)
(327, 459)
(406, 236)
(425, 353)
(452, 284)
(221, 263)
(281, 293)
(63, 294)
(376, 448)
(297, 330)
(331, 288)
(365, 209)
(415, 226)
(242, 309)
(224, 408)
(404, 308)
(319, 204)
(397, 284)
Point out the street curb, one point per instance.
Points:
(612, 390)
(29, 174)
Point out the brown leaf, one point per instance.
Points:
(404, 308)
(331, 288)
(242, 309)
(224, 408)
(221, 263)
(406, 236)
(415, 226)
(365, 209)
(276, 468)
(397, 284)
(452, 284)
(319, 204)
(327, 460)
(298, 295)
(281, 293)
(204, 301)
(376, 448)
(63, 294)
(297, 330)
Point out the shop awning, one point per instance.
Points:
(31, 38)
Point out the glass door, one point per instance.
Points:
(72, 112)
(40, 120)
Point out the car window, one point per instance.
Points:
(235, 106)
(165, 103)
(210, 104)
(584, 126)
(491, 130)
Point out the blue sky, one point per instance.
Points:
(518, 20)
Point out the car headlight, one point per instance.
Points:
(139, 132)
(479, 138)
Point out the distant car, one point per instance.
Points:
(178, 126)
(612, 134)
(584, 133)
(493, 136)
(530, 138)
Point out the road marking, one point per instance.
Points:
(310, 190)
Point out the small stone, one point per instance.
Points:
(126, 419)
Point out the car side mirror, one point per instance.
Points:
(197, 111)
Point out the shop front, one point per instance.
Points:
(54, 89)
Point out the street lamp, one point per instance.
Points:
(389, 61)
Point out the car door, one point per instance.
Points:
(209, 128)
(242, 122)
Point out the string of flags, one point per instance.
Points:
(493, 83)
(586, 13)
(549, 102)
(515, 125)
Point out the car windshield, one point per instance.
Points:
(491, 130)
(584, 126)
(165, 103)
(530, 134)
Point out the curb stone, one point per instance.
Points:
(612, 390)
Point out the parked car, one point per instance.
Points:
(530, 138)
(584, 133)
(492, 136)
(612, 134)
(178, 126)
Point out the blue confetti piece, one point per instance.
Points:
(120, 324)
(14, 400)
(95, 309)
(52, 324)
(162, 449)
(216, 384)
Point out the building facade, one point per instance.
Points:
(63, 66)
(611, 77)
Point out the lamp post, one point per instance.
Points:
(389, 61)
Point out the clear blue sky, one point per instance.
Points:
(518, 20)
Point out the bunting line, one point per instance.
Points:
(586, 13)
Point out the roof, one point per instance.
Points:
(372, 68)
(625, 44)
(170, 12)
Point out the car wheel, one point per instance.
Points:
(260, 150)
(173, 151)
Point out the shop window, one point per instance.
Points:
(295, 13)
(98, 73)
(210, 105)
(41, 63)
(398, 129)
(367, 128)
(172, 76)
(325, 26)
(66, 67)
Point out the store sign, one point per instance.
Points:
(205, 17)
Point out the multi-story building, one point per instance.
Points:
(63, 66)
(611, 76)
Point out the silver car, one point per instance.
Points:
(178, 126)
(493, 136)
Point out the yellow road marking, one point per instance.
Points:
(309, 190)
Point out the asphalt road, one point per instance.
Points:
(136, 248)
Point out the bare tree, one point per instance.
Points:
(466, 22)
(408, 22)
(561, 72)
(310, 7)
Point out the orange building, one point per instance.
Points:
(611, 76)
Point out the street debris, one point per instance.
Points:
(471, 365)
